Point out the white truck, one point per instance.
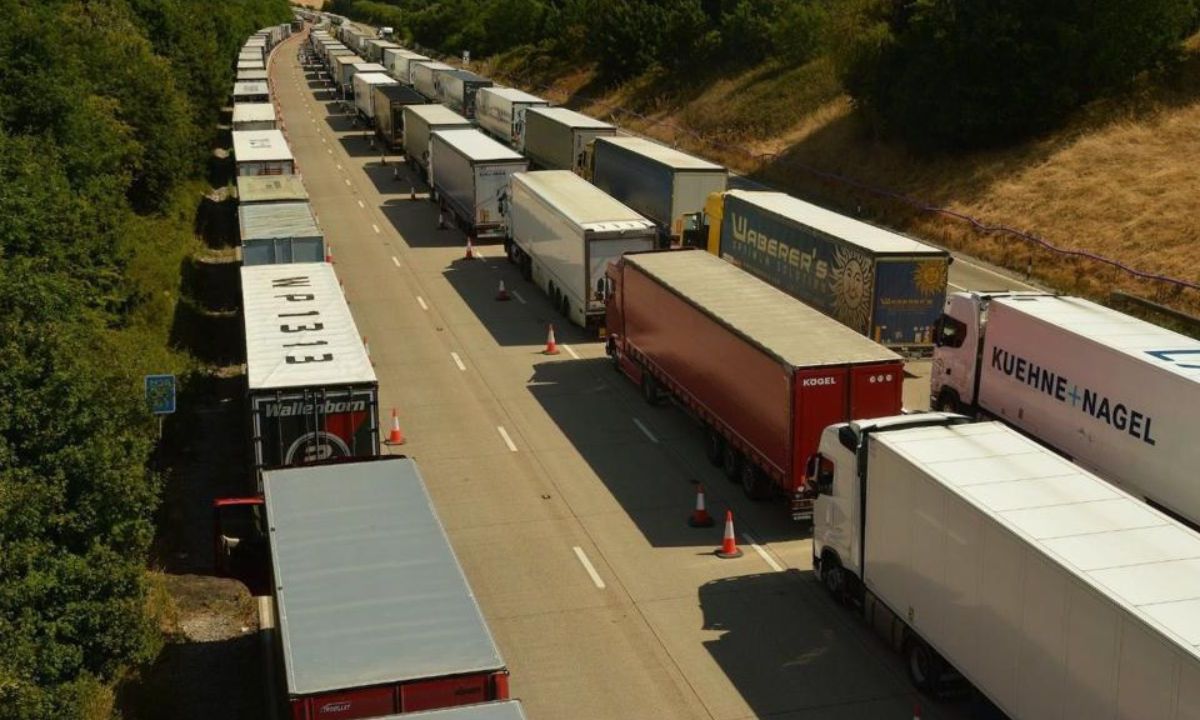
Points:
(558, 139)
(1116, 394)
(469, 173)
(563, 233)
(420, 122)
(981, 554)
(423, 76)
(501, 112)
(364, 93)
(400, 63)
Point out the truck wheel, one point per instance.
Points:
(925, 667)
(754, 485)
(948, 402)
(714, 446)
(650, 392)
(833, 577)
(565, 307)
(731, 462)
(508, 250)
(526, 267)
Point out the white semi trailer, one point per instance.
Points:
(980, 553)
(1116, 394)
(563, 233)
(469, 173)
(501, 112)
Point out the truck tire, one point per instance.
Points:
(714, 446)
(925, 667)
(526, 267)
(754, 484)
(650, 391)
(731, 463)
(565, 307)
(948, 402)
(833, 577)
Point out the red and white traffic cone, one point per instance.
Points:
(729, 548)
(470, 254)
(329, 253)
(396, 437)
(916, 711)
(700, 517)
(502, 293)
(551, 345)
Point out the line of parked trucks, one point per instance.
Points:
(978, 549)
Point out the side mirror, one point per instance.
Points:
(848, 438)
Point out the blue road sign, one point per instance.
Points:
(160, 394)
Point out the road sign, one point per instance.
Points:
(160, 394)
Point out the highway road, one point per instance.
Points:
(564, 495)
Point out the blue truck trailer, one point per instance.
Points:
(884, 285)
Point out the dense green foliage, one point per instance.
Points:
(107, 109)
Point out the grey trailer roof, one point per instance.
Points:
(396, 91)
(434, 65)
(581, 201)
(506, 710)
(368, 589)
(467, 75)
(264, 221)
(513, 94)
(260, 146)
(434, 114)
(351, 59)
(272, 351)
(867, 236)
(369, 67)
(660, 153)
(251, 65)
(251, 75)
(569, 117)
(773, 320)
(1142, 340)
(270, 188)
(253, 112)
(478, 147)
(1113, 542)
(251, 87)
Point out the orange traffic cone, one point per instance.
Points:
(329, 253)
(502, 293)
(551, 345)
(470, 249)
(395, 437)
(700, 517)
(729, 548)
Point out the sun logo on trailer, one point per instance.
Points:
(852, 281)
(930, 277)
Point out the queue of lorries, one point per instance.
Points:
(1046, 554)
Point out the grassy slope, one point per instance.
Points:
(1119, 180)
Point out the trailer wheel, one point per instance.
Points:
(526, 267)
(731, 463)
(508, 250)
(714, 446)
(650, 391)
(833, 577)
(565, 308)
(754, 485)
(925, 666)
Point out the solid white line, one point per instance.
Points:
(762, 553)
(956, 287)
(375, 228)
(517, 295)
(587, 565)
(395, 261)
(507, 440)
(361, 204)
(458, 361)
(421, 302)
(645, 430)
(569, 351)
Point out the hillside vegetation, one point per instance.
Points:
(107, 110)
(1070, 122)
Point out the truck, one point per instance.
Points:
(667, 186)
(563, 232)
(311, 390)
(469, 175)
(376, 48)
(504, 710)
(1116, 394)
(558, 139)
(262, 152)
(762, 372)
(501, 112)
(985, 557)
(390, 101)
(401, 64)
(365, 85)
(457, 90)
(252, 190)
(251, 92)
(373, 613)
(279, 232)
(420, 122)
(253, 116)
(421, 75)
(880, 283)
(343, 70)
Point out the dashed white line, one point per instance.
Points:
(361, 204)
(570, 351)
(458, 361)
(956, 287)
(587, 565)
(347, 182)
(329, 150)
(517, 295)
(645, 430)
(339, 166)
(421, 302)
(763, 553)
(395, 261)
(375, 228)
(507, 440)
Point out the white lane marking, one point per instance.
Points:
(569, 351)
(339, 166)
(375, 228)
(762, 553)
(993, 273)
(517, 295)
(645, 430)
(587, 565)
(421, 302)
(395, 261)
(458, 361)
(507, 440)
(347, 182)
(956, 287)
(329, 150)
(323, 140)
(361, 204)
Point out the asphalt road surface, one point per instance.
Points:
(565, 496)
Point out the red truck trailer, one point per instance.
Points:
(763, 372)
(373, 612)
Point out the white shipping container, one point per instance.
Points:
(420, 121)
(564, 232)
(501, 112)
(557, 138)
(262, 152)
(1118, 395)
(253, 116)
(470, 173)
(364, 93)
(422, 75)
(402, 63)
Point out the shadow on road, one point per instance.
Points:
(417, 222)
(362, 142)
